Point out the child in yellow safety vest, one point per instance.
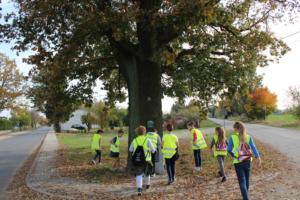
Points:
(156, 142)
(170, 152)
(141, 149)
(96, 146)
(115, 149)
(242, 148)
(198, 143)
(219, 148)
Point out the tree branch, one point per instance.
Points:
(264, 17)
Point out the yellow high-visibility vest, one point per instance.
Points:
(169, 145)
(153, 138)
(236, 146)
(115, 148)
(96, 141)
(200, 143)
(142, 140)
(218, 152)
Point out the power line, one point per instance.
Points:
(293, 42)
(290, 35)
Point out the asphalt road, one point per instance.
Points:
(15, 148)
(285, 140)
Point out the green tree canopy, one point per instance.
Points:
(50, 95)
(174, 47)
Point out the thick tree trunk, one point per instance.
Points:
(144, 89)
(150, 93)
(57, 127)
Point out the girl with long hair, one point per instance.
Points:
(242, 148)
(219, 148)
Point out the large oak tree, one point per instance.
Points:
(152, 48)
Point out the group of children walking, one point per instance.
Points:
(145, 147)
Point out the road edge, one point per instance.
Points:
(32, 168)
(34, 150)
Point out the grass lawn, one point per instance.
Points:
(74, 159)
(277, 120)
(282, 120)
(208, 124)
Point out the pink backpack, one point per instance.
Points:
(245, 152)
(221, 146)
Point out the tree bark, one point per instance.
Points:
(143, 79)
(57, 127)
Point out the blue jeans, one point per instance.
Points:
(243, 171)
(197, 156)
(170, 166)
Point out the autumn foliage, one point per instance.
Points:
(260, 103)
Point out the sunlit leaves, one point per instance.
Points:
(11, 82)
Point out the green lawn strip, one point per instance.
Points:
(276, 120)
(284, 121)
(76, 155)
(208, 124)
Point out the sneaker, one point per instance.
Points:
(94, 162)
(152, 175)
(139, 191)
(197, 168)
(147, 187)
(224, 179)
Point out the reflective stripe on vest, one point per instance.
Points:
(95, 141)
(169, 148)
(116, 146)
(153, 138)
(200, 143)
(236, 145)
(216, 151)
(142, 140)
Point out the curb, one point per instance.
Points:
(32, 187)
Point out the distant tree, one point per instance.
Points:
(261, 103)
(36, 118)
(11, 82)
(117, 117)
(234, 104)
(88, 119)
(49, 94)
(294, 97)
(101, 111)
(181, 113)
(21, 117)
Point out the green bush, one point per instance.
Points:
(5, 124)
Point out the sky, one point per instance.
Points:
(277, 76)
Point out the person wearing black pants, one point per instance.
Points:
(170, 152)
(98, 155)
(170, 166)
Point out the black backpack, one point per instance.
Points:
(138, 157)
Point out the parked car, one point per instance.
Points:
(78, 127)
